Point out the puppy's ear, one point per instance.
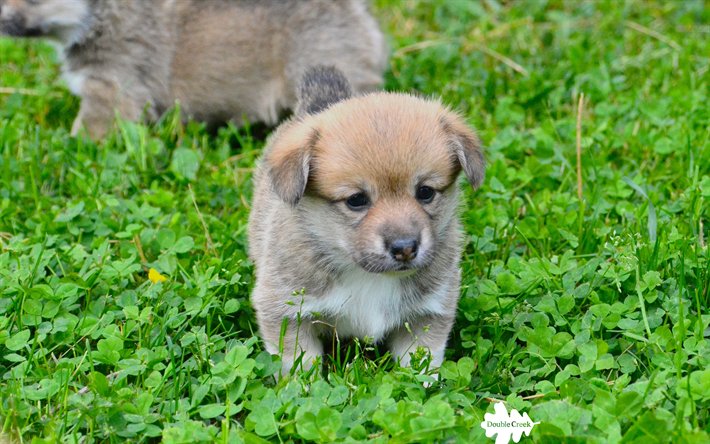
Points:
(466, 146)
(288, 162)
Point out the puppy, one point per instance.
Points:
(354, 229)
(221, 59)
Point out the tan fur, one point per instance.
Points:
(304, 236)
(221, 59)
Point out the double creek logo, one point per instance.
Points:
(506, 426)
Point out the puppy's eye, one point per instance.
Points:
(357, 201)
(425, 194)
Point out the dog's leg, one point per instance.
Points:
(430, 332)
(101, 99)
(298, 340)
(96, 112)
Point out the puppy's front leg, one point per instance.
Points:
(431, 332)
(96, 113)
(100, 99)
(298, 340)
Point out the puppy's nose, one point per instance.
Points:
(404, 249)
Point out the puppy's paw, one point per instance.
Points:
(76, 127)
(428, 380)
(436, 378)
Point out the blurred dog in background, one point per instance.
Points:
(221, 59)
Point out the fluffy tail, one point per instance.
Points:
(321, 87)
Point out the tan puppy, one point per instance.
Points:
(222, 59)
(356, 204)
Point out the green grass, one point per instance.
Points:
(591, 315)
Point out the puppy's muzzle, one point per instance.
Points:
(404, 250)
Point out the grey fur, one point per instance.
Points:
(320, 88)
(221, 59)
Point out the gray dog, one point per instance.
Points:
(221, 59)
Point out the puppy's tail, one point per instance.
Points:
(321, 87)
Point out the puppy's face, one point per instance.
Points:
(374, 178)
(41, 18)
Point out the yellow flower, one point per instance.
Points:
(154, 276)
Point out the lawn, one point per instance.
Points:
(590, 315)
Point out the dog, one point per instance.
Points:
(221, 60)
(354, 228)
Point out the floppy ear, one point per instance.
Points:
(467, 148)
(288, 161)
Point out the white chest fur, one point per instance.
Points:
(360, 304)
(367, 304)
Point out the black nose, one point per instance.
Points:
(404, 249)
